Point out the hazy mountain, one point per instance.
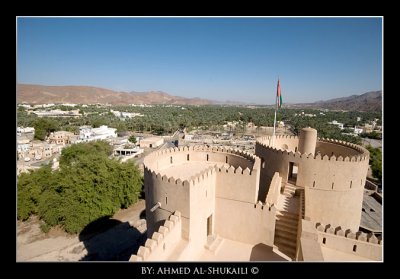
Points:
(370, 101)
(40, 94)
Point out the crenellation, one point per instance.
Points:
(151, 244)
(372, 238)
(143, 252)
(163, 230)
(157, 237)
(361, 236)
(339, 231)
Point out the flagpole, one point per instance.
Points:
(273, 134)
(276, 106)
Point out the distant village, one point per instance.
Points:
(31, 153)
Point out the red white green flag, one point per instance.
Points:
(278, 96)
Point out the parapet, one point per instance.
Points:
(264, 143)
(347, 233)
(159, 238)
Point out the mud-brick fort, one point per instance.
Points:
(296, 199)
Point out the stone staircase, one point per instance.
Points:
(289, 190)
(287, 218)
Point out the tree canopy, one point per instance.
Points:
(87, 186)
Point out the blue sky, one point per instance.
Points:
(237, 59)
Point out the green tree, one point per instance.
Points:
(132, 139)
(43, 127)
(375, 160)
(87, 186)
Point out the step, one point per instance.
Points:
(286, 228)
(291, 253)
(288, 216)
(292, 191)
(289, 222)
(285, 234)
(285, 241)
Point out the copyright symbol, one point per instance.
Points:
(254, 270)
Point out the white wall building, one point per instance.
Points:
(21, 130)
(340, 125)
(88, 133)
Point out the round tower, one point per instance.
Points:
(307, 140)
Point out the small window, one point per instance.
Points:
(187, 157)
(351, 184)
(166, 200)
(226, 159)
(333, 184)
(295, 149)
(354, 248)
(313, 184)
(207, 157)
(170, 159)
(324, 240)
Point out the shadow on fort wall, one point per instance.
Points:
(108, 239)
(262, 252)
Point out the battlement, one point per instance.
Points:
(347, 233)
(162, 242)
(152, 157)
(364, 154)
(201, 176)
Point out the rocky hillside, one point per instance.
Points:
(39, 94)
(370, 101)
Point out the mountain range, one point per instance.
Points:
(370, 101)
(40, 94)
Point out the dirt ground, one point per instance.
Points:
(115, 244)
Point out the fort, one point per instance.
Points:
(297, 199)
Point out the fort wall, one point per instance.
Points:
(316, 235)
(195, 197)
(348, 241)
(245, 222)
(333, 184)
(162, 242)
(237, 184)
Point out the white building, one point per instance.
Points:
(57, 113)
(340, 125)
(26, 130)
(88, 133)
(358, 130)
(123, 114)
